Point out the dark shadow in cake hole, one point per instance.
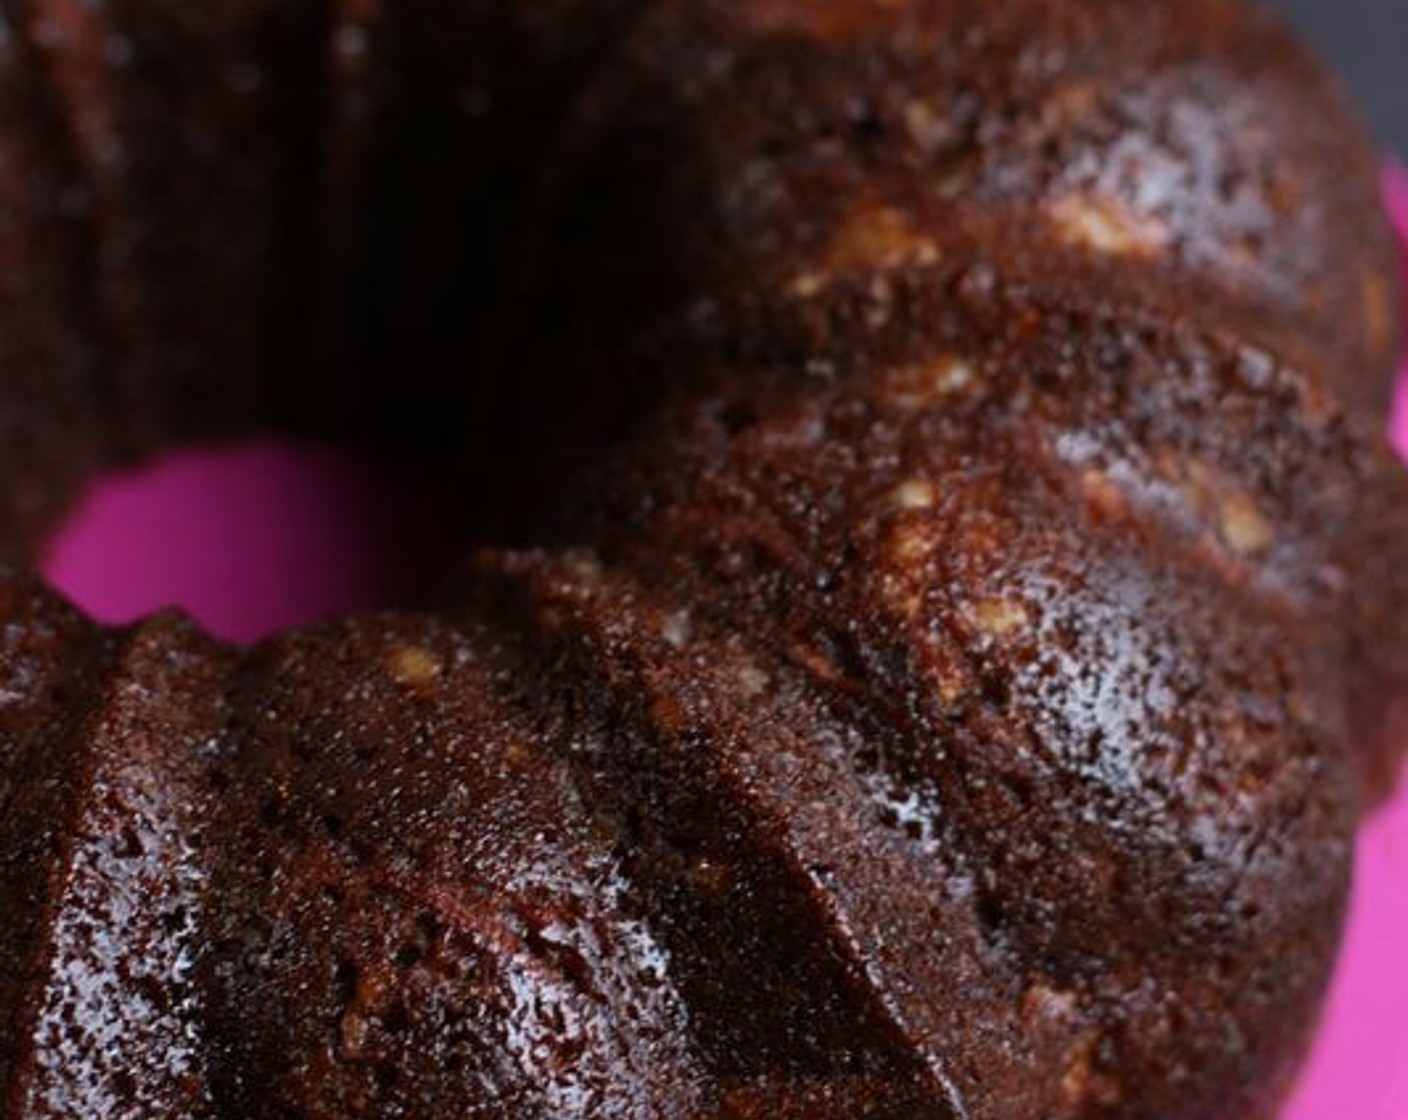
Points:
(254, 537)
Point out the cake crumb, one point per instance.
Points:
(1108, 226)
(910, 545)
(414, 666)
(1042, 1002)
(872, 236)
(675, 628)
(1103, 494)
(752, 679)
(913, 494)
(914, 386)
(1085, 1083)
(518, 754)
(999, 616)
(1244, 527)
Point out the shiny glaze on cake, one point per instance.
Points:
(951, 587)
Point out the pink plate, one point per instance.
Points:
(1359, 1070)
(261, 536)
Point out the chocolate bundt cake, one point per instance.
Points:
(948, 603)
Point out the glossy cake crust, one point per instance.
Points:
(951, 583)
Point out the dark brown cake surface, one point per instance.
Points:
(948, 595)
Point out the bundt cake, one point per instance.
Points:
(938, 602)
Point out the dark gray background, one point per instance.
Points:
(1367, 42)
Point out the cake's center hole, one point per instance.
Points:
(251, 539)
